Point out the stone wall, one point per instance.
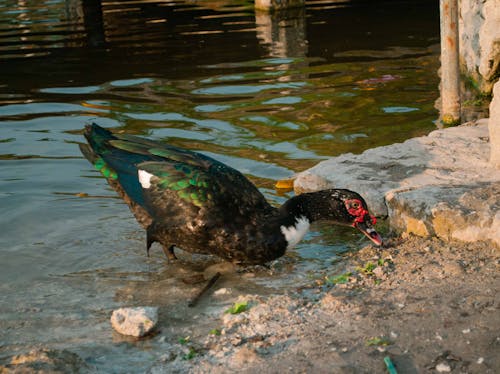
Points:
(494, 127)
(479, 30)
(479, 34)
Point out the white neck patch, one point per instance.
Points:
(144, 178)
(295, 233)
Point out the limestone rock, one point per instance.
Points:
(138, 321)
(441, 184)
(480, 40)
(494, 126)
(466, 212)
(443, 157)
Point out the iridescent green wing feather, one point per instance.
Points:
(220, 192)
(182, 179)
(196, 178)
(190, 183)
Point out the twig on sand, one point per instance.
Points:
(209, 284)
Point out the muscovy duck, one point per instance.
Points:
(191, 201)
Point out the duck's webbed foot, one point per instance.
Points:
(169, 252)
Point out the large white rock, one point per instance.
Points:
(441, 184)
(445, 157)
(138, 321)
(494, 126)
(479, 35)
(469, 212)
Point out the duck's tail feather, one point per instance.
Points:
(88, 153)
(121, 176)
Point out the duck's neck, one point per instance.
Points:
(296, 215)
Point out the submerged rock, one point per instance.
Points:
(138, 321)
(43, 361)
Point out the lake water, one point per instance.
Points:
(269, 96)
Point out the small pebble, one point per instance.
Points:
(465, 331)
(379, 272)
(394, 335)
(443, 367)
(222, 291)
(480, 360)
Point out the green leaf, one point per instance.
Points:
(379, 341)
(214, 332)
(184, 340)
(190, 355)
(238, 308)
(338, 279)
(368, 268)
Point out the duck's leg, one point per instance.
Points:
(169, 252)
(150, 239)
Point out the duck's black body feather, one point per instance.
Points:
(194, 202)
(191, 201)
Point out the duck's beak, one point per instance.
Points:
(366, 228)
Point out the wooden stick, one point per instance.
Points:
(210, 283)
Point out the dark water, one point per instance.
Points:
(270, 96)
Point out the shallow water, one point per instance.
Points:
(269, 97)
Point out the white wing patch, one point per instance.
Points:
(295, 233)
(145, 178)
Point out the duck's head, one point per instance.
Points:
(343, 207)
(361, 219)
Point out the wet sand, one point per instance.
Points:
(428, 305)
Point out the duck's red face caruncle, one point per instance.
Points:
(363, 220)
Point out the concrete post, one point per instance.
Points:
(450, 72)
(282, 32)
(278, 4)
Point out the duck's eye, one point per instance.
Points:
(355, 205)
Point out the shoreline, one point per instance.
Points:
(429, 305)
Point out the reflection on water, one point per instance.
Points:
(267, 95)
